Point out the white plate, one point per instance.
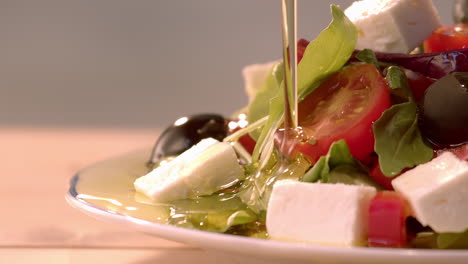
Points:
(251, 250)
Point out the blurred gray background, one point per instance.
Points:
(139, 63)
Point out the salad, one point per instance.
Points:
(380, 155)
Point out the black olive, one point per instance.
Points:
(444, 111)
(186, 132)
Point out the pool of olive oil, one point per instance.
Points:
(109, 184)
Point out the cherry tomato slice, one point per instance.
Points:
(447, 38)
(301, 47)
(246, 140)
(418, 83)
(343, 107)
(378, 176)
(387, 220)
(248, 143)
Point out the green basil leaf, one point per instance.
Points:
(368, 56)
(351, 175)
(328, 53)
(325, 55)
(339, 166)
(259, 106)
(396, 79)
(398, 141)
(212, 213)
(453, 240)
(319, 171)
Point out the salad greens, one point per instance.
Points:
(339, 166)
(430, 239)
(271, 88)
(368, 56)
(452, 240)
(338, 155)
(325, 55)
(206, 213)
(432, 65)
(398, 141)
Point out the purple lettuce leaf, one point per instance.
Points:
(434, 65)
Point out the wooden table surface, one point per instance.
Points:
(36, 223)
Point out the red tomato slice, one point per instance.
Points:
(447, 38)
(378, 176)
(248, 143)
(387, 220)
(418, 83)
(246, 140)
(343, 107)
(301, 47)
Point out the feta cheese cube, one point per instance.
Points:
(329, 214)
(203, 169)
(437, 192)
(393, 25)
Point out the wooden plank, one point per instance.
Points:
(121, 256)
(37, 164)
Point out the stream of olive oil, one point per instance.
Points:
(290, 131)
(109, 184)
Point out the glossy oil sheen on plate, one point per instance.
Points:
(105, 191)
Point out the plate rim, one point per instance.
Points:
(255, 246)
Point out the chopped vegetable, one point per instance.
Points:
(387, 220)
(398, 141)
(343, 107)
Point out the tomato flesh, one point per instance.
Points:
(377, 175)
(418, 83)
(246, 140)
(447, 38)
(248, 143)
(301, 47)
(387, 220)
(343, 107)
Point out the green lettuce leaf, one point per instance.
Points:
(339, 166)
(259, 106)
(398, 141)
(368, 56)
(453, 240)
(440, 240)
(351, 175)
(325, 55)
(400, 90)
(214, 213)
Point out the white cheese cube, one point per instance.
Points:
(329, 214)
(205, 168)
(255, 76)
(437, 192)
(393, 25)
